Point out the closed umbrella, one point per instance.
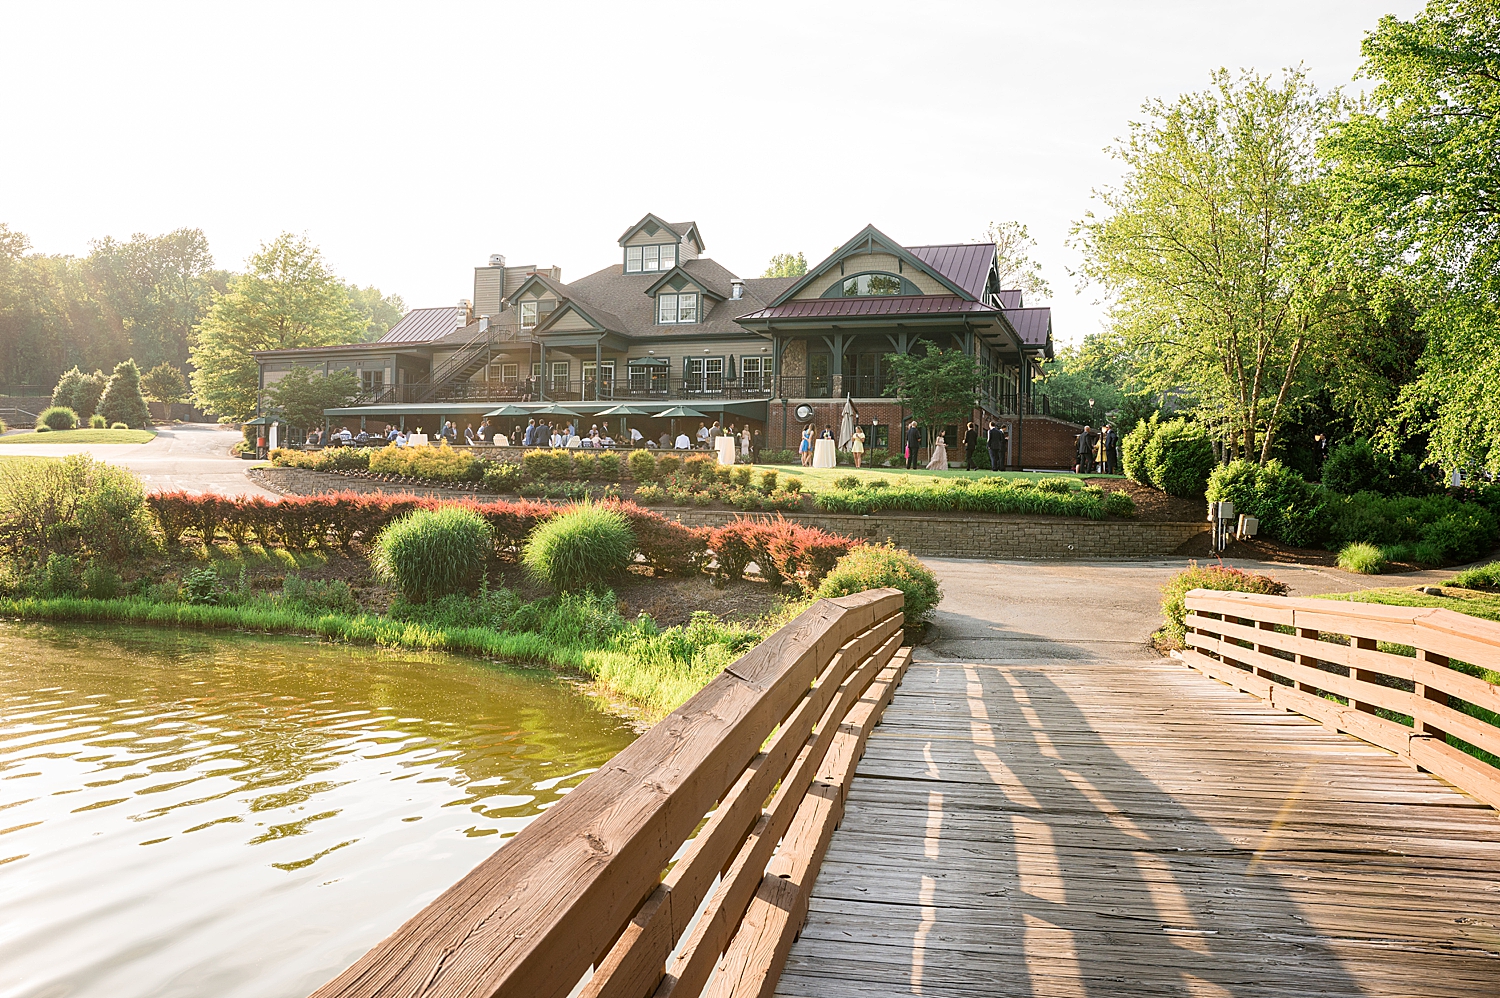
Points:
(729, 368)
(846, 424)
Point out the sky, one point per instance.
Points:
(411, 141)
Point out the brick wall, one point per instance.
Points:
(950, 535)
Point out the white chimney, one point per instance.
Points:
(484, 323)
(497, 259)
(463, 311)
(736, 288)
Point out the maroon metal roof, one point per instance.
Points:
(423, 325)
(1009, 299)
(965, 264)
(1033, 325)
(816, 308)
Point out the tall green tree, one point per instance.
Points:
(1417, 173)
(1013, 258)
(1216, 250)
(164, 383)
(941, 387)
(122, 401)
(155, 289)
(381, 311)
(302, 395)
(289, 298)
(786, 265)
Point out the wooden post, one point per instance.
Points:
(1421, 726)
(1311, 661)
(1356, 645)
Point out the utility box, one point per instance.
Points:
(1248, 527)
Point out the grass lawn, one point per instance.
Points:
(1475, 604)
(86, 436)
(821, 479)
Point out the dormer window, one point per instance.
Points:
(650, 259)
(528, 315)
(676, 309)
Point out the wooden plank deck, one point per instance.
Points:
(1130, 827)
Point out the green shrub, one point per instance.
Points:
(642, 465)
(793, 484)
(741, 475)
(1059, 486)
(1366, 559)
(1119, 504)
(585, 464)
(57, 418)
(118, 426)
(1451, 530)
(699, 465)
(432, 553)
(69, 507)
(667, 464)
(880, 566)
(58, 576)
(100, 581)
(44, 429)
(1355, 466)
(1290, 509)
(502, 476)
(846, 482)
(1485, 577)
(768, 481)
(607, 466)
(651, 494)
(441, 463)
(985, 495)
(97, 422)
(1179, 458)
(1133, 449)
(122, 401)
(201, 587)
(1174, 593)
(581, 549)
(318, 597)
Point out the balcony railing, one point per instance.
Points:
(577, 390)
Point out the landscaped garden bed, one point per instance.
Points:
(646, 607)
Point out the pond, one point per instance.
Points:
(196, 814)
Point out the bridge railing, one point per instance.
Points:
(1323, 659)
(730, 800)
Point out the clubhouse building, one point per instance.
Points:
(667, 328)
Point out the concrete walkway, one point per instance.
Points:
(191, 456)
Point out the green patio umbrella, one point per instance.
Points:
(552, 410)
(682, 412)
(625, 410)
(510, 410)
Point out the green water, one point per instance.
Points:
(191, 814)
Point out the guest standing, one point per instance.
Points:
(913, 444)
(939, 459)
(857, 445)
(996, 440)
(1085, 453)
(971, 443)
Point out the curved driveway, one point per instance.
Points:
(191, 456)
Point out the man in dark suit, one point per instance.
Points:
(1111, 450)
(996, 441)
(971, 442)
(1086, 441)
(913, 443)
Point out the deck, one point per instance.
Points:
(1126, 826)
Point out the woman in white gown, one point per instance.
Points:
(939, 459)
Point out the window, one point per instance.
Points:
(753, 374)
(705, 374)
(650, 259)
(676, 308)
(536, 370)
(559, 376)
(648, 378)
(606, 379)
(528, 315)
(819, 375)
(372, 381)
(510, 373)
(862, 285)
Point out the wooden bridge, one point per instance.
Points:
(1040, 827)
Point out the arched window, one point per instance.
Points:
(872, 283)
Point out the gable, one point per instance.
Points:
(870, 250)
(677, 280)
(569, 319)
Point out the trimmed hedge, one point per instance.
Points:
(1290, 509)
(1178, 459)
(871, 566)
(981, 495)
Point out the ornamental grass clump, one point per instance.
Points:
(57, 417)
(434, 552)
(1174, 593)
(1485, 578)
(583, 548)
(870, 566)
(1366, 559)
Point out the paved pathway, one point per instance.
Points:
(191, 456)
(1049, 808)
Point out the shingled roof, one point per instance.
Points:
(623, 295)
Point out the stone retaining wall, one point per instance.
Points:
(945, 535)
